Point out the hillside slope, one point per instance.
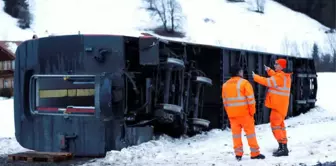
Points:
(278, 30)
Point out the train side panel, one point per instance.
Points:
(39, 126)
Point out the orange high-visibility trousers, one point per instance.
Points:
(278, 126)
(247, 123)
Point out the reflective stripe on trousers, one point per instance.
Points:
(249, 136)
(282, 91)
(239, 136)
(239, 97)
(254, 150)
(240, 149)
(283, 129)
(236, 135)
(278, 128)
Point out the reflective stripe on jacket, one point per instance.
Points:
(238, 97)
(278, 93)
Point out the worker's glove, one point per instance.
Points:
(266, 67)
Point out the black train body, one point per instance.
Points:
(89, 94)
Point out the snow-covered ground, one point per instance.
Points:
(279, 30)
(7, 111)
(311, 139)
(8, 143)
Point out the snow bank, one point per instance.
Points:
(310, 141)
(325, 91)
(216, 22)
(8, 143)
(7, 118)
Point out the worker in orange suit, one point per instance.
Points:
(277, 99)
(239, 104)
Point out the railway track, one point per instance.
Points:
(79, 161)
(5, 161)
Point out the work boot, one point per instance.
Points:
(283, 151)
(260, 156)
(238, 158)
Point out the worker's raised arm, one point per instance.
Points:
(249, 94)
(273, 81)
(270, 72)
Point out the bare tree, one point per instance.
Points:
(169, 12)
(235, 0)
(290, 47)
(260, 4)
(257, 5)
(294, 49)
(285, 46)
(150, 4)
(306, 49)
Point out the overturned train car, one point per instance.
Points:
(89, 94)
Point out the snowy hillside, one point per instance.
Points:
(311, 139)
(215, 22)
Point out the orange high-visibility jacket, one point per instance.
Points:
(279, 84)
(238, 97)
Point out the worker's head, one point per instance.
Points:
(236, 70)
(280, 64)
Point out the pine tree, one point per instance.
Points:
(315, 55)
(326, 63)
(334, 60)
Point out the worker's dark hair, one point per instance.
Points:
(235, 69)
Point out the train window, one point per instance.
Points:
(60, 95)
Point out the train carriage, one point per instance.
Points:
(89, 94)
